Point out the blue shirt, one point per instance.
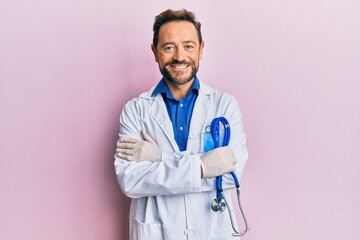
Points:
(180, 111)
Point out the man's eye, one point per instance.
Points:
(169, 48)
(188, 47)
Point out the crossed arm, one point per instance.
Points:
(143, 169)
(132, 149)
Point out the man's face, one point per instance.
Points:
(178, 52)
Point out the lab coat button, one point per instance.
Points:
(186, 232)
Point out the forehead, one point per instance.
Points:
(178, 31)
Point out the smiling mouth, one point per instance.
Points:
(179, 66)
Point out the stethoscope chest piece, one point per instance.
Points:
(218, 205)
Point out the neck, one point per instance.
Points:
(179, 91)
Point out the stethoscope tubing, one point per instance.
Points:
(215, 134)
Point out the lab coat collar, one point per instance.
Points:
(204, 90)
(164, 89)
(158, 112)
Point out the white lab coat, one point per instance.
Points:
(169, 198)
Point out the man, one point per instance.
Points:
(165, 159)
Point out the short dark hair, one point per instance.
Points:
(175, 15)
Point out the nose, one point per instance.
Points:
(179, 55)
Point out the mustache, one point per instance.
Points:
(179, 62)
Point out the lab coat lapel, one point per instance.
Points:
(200, 112)
(160, 115)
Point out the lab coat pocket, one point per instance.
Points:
(208, 142)
(146, 231)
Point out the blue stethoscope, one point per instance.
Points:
(220, 203)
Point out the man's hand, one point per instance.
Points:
(139, 150)
(218, 162)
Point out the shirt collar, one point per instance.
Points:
(163, 88)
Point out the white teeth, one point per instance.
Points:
(180, 66)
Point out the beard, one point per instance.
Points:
(179, 80)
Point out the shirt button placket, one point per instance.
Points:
(181, 128)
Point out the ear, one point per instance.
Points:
(153, 49)
(201, 49)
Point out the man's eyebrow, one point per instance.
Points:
(173, 43)
(167, 43)
(190, 41)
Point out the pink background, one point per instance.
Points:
(67, 68)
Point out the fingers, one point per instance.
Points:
(125, 151)
(125, 148)
(132, 149)
(233, 156)
(146, 136)
(125, 157)
(228, 154)
(126, 145)
(128, 140)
